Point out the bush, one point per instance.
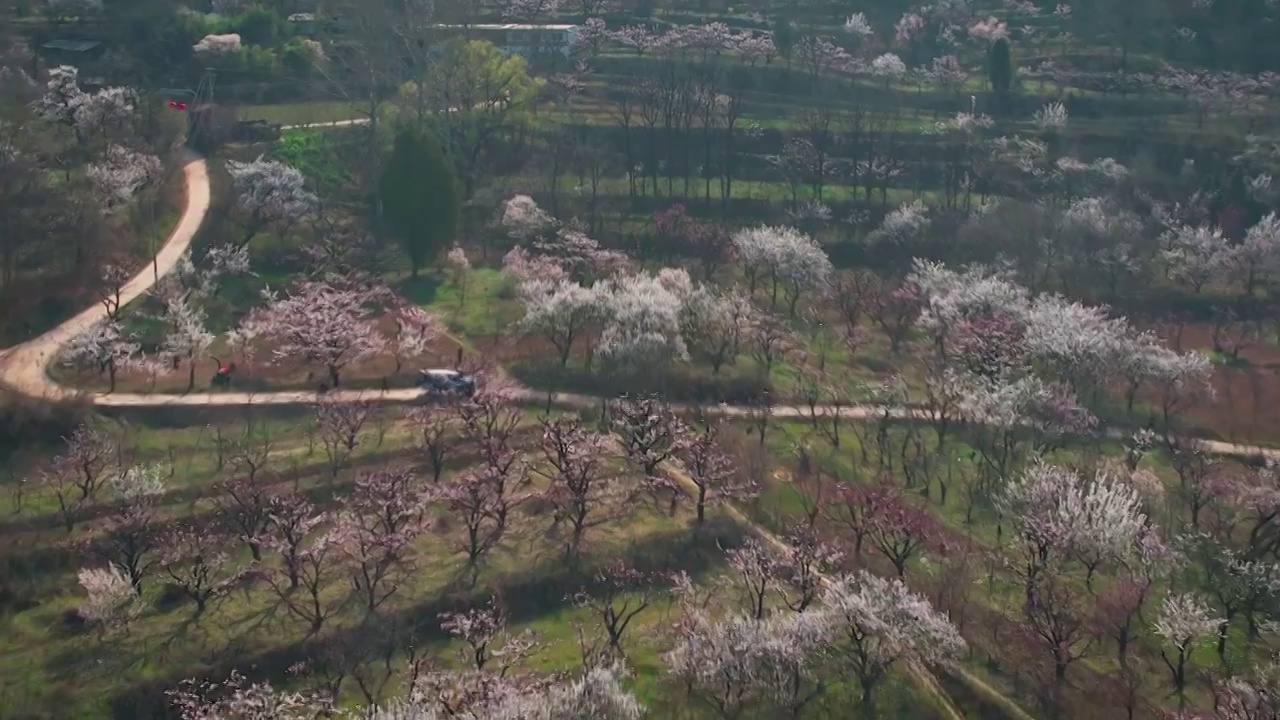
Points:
(299, 56)
(259, 26)
(25, 423)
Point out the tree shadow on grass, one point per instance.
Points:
(421, 290)
(534, 593)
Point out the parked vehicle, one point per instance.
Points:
(447, 383)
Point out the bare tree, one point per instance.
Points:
(617, 595)
(582, 485)
(340, 424)
(437, 426)
(245, 502)
(291, 519)
(651, 433)
(489, 647)
(196, 564)
(712, 471)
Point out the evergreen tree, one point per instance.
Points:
(421, 200)
(1000, 67)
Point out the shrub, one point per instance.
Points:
(259, 26)
(25, 423)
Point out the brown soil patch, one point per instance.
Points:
(1246, 403)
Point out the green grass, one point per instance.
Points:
(480, 303)
(49, 668)
(302, 113)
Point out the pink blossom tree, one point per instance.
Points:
(437, 429)
(483, 497)
(490, 647)
(416, 332)
(244, 507)
(802, 566)
(755, 576)
(79, 470)
(375, 532)
(651, 433)
(291, 520)
(319, 323)
(616, 596)
(311, 566)
(900, 529)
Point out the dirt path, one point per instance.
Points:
(24, 368)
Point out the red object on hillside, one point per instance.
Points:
(177, 105)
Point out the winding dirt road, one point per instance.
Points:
(24, 368)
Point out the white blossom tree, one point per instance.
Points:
(458, 265)
(1056, 511)
(86, 113)
(905, 223)
(641, 322)
(124, 173)
(879, 623)
(317, 322)
(103, 346)
(239, 699)
(1259, 253)
(789, 259)
(111, 600)
(715, 325)
(735, 662)
(269, 194)
(1196, 255)
(559, 311)
(211, 46)
(889, 68)
(186, 336)
(1184, 622)
(524, 219)
(416, 332)
(1051, 117)
(596, 692)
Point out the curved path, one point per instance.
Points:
(24, 368)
